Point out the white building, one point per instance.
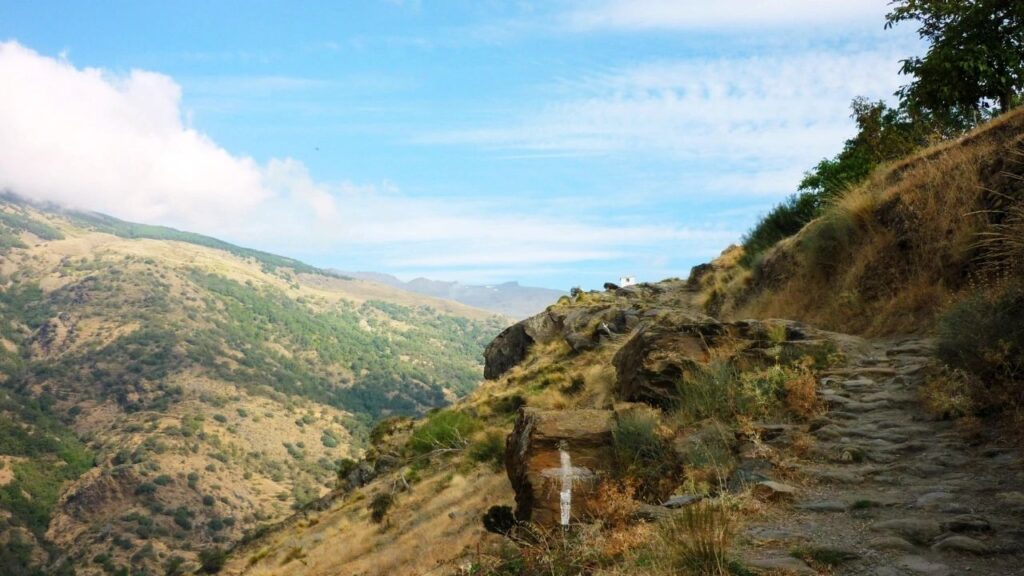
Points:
(627, 281)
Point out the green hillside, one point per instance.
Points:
(181, 391)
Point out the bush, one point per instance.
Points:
(329, 440)
(380, 505)
(212, 560)
(984, 336)
(707, 392)
(145, 488)
(642, 454)
(208, 500)
(444, 430)
(490, 448)
(782, 221)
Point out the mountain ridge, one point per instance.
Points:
(507, 298)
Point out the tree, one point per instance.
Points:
(883, 134)
(975, 60)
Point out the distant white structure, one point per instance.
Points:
(627, 281)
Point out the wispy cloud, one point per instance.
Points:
(744, 127)
(749, 107)
(705, 15)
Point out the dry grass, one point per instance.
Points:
(801, 392)
(696, 541)
(895, 251)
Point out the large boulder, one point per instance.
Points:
(652, 363)
(513, 344)
(669, 348)
(555, 460)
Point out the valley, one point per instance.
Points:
(163, 397)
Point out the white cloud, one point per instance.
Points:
(86, 138)
(117, 143)
(731, 14)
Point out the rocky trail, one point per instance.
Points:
(885, 489)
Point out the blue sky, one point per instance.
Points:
(554, 143)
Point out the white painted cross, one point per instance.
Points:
(566, 475)
(565, 498)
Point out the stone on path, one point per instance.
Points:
(769, 491)
(960, 543)
(915, 530)
(891, 543)
(923, 566)
(781, 564)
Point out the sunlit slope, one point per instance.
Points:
(190, 390)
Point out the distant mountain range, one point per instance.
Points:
(508, 298)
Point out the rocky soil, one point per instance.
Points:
(886, 490)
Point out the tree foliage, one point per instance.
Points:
(883, 134)
(975, 59)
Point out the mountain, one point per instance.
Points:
(163, 393)
(887, 439)
(509, 298)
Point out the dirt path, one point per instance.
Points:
(886, 490)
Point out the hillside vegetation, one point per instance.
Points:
(928, 244)
(741, 416)
(162, 392)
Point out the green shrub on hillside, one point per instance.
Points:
(883, 134)
(708, 393)
(642, 454)
(443, 430)
(781, 222)
(489, 449)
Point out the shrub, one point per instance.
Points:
(706, 392)
(490, 448)
(145, 488)
(984, 337)
(183, 518)
(782, 221)
(212, 560)
(444, 430)
(641, 453)
(329, 440)
(208, 500)
(499, 520)
(380, 505)
(508, 404)
(162, 480)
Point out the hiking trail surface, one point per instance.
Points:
(886, 489)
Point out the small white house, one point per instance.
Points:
(627, 281)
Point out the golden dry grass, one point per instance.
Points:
(892, 253)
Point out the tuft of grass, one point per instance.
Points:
(696, 541)
(706, 393)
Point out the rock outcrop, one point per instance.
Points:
(555, 460)
(511, 346)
